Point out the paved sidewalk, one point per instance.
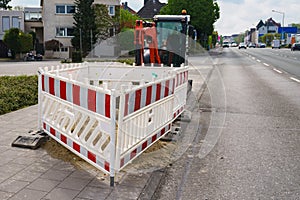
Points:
(35, 175)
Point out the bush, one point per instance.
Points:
(76, 57)
(17, 92)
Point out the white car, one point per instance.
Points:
(242, 46)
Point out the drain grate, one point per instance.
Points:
(32, 141)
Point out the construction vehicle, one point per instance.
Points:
(163, 41)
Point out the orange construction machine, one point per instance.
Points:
(163, 41)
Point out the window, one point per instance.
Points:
(16, 22)
(111, 10)
(5, 23)
(64, 32)
(65, 9)
(30, 16)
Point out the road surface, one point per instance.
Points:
(247, 146)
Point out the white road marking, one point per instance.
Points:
(253, 58)
(276, 70)
(258, 60)
(266, 64)
(294, 79)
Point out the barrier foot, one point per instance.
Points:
(112, 181)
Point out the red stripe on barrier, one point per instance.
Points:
(133, 154)
(167, 88)
(154, 137)
(92, 156)
(107, 105)
(173, 87)
(126, 105)
(52, 131)
(137, 101)
(148, 95)
(92, 100)
(51, 86)
(162, 131)
(144, 145)
(63, 90)
(43, 83)
(76, 95)
(122, 162)
(106, 166)
(177, 80)
(158, 90)
(63, 139)
(76, 147)
(44, 125)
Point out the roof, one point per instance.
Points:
(151, 8)
(271, 22)
(126, 7)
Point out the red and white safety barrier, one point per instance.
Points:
(108, 114)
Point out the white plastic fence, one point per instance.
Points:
(109, 113)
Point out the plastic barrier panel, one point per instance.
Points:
(109, 113)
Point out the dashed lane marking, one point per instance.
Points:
(258, 61)
(276, 70)
(294, 79)
(266, 64)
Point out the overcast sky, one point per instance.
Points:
(236, 15)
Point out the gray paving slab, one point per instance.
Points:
(28, 194)
(61, 193)
(56, 175)
(94, 193)
(42, 184)
(13, 186)
(74, 183)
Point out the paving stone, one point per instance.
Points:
(61, 194)
(74, 183)
(5, 195)
(39, 167)
(57, 175)
(25, 175)
(24, 160)
(43, 184)
(12, 169)
(12, 186)
(96, 182)
(64, 166)
(27, 194)
(135, 180)
(94, 193)
(83, 174)
(124, 193)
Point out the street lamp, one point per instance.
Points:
(282, 36)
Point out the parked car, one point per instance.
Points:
(261, 45)
(252, 45)
(234, 44)
(242, 46)
(276, 44)
(225, 44)
(31, 57)
(295, 46)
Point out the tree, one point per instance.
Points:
(4, 4)
(204, 13)
(103, 21)
(85, 30)
(127, 19)
(18, 41)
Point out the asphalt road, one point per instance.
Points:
(283, 60)
(248, 143)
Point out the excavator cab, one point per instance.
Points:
(163, 41)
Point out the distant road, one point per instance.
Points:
(24, 68)
(282, 60)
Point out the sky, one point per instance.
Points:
(236, 16)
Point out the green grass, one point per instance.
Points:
(17, 92)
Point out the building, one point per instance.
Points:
(9, 19)
(58, 23)
(125, 6)
(270, 26)
(33, 23)
(150, 8)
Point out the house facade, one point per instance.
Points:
(58, 23)
(9, 19)
(150, 8)
(270, 26)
